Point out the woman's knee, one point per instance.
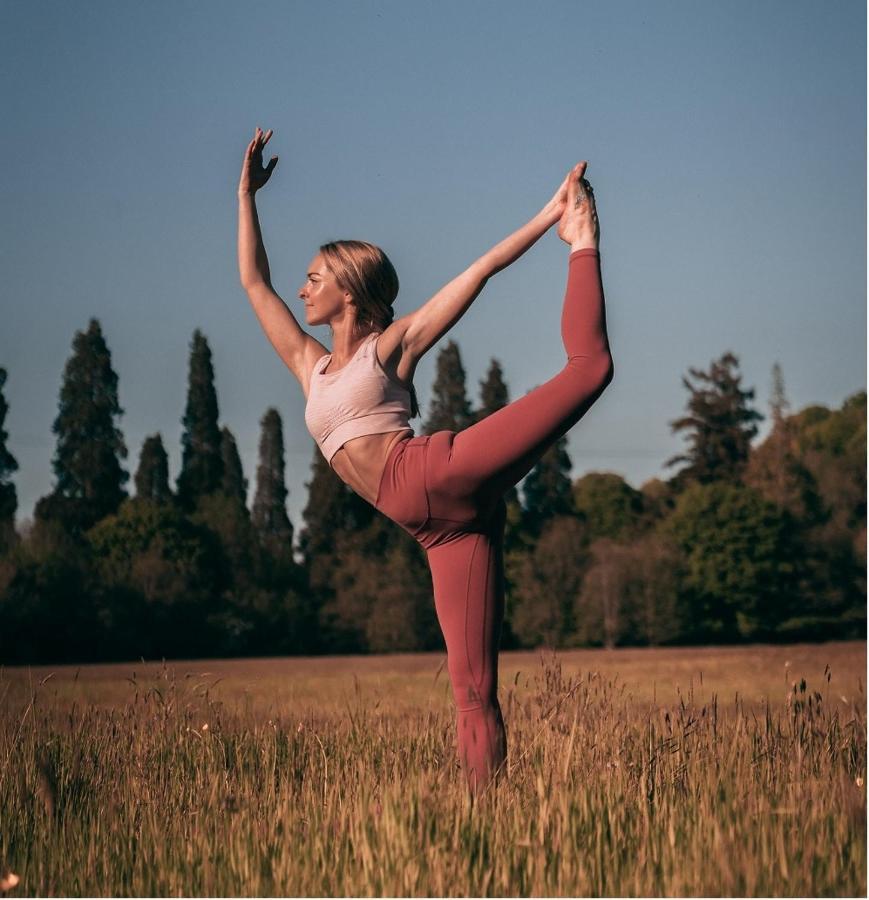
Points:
(593, 373)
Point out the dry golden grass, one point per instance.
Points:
(720, 771)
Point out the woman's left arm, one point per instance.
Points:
(435, 317)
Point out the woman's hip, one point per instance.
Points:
(428, 498)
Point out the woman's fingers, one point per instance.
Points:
(571, 188)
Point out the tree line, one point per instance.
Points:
(742, 543)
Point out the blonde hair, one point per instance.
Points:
(365, 272)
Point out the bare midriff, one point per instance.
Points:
(359, 463)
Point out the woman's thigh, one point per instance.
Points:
(500, 450)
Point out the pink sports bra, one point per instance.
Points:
(357, 400)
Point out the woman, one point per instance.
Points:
(445, 489)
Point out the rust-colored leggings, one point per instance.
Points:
(446, 489)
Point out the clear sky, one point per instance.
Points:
(726, 145)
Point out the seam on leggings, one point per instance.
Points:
(485, 610)
(425, 481)
(467, 611)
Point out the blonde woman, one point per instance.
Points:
(445, 489)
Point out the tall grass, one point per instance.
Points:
(179, 789)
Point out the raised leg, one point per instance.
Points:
(501, 449)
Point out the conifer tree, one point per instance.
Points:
(201, 460)
(781, 436)
(90, 480)
(8, 465)
(152, 476)
(450, 409)
(493, 391)
(494, 395)
(720, 424)
(547, 489)
(269, 514)
(332, 509)
(233, 484)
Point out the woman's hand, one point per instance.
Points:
(554, 209)
(559, 199)
(253, 174)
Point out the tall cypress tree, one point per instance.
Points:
(8, 465)
(233, 484)
(547, 489)
(494, 395)
(152, 476)
(450, 409)
(90, 480)
(201, 460)
(720, 424)
(269, 514)
(493, 391)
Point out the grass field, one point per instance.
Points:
(668, 772)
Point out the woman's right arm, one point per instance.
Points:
(279, 324)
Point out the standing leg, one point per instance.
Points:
(468, 579)
(501, 449)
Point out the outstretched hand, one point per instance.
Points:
(558, 203)
(253, 174)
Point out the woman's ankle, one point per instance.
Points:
(584, 244)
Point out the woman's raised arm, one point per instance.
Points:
(279, 324)
(434, 318)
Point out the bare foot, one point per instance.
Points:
(578, 225)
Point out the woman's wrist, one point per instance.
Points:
(551, 213)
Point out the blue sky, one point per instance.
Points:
(726, 145)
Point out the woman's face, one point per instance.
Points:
(322, 296)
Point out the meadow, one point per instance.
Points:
(659, 772)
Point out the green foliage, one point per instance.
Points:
(89, 446)
(158, 574)
(609, 506)
(269, 515)
(719, 425)
(8, 465)
(47, 608)
(739, 578)
(379, 595)
(450, 409)
(547, 583)
(233, 484)
(659, 499)
(494, 394)
(547, 489)
(814, 466)
(152, 476)
(201, 459)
